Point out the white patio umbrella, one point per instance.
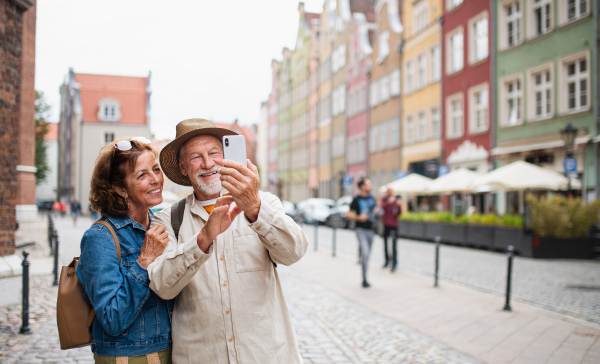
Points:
(521, 175)
(411, 184)
(458, 181)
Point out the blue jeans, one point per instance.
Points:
(365, 239)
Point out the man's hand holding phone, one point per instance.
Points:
(242, 183)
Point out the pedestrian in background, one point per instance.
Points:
(132, 324)
(392, 209)
(362, 210)
(75, 210)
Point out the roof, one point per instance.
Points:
(129, 91)
(52, 134)
(366, 7)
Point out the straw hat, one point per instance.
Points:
(186, 130)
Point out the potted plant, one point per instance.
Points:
(561, 227)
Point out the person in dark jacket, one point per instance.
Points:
(392, 209)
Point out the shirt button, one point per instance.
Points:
(178, 274)
(224, 284)
(227, 311)
(195, 256)
(222, 257)
(274, 243)
(258, 227)
(231, 339)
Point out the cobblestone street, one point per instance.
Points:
(332, 328)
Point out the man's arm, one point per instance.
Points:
(280, 235)
(172, 271)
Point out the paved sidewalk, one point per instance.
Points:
(469, 321)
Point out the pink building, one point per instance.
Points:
(357, 109)
(272, 134)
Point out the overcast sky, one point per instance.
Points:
(208, 58)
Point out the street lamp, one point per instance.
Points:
(568, 135)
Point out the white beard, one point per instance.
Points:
(212, 187)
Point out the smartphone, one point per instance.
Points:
(234, 148)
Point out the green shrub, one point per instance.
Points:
(559, 217)
(511, 220)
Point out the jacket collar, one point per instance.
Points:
(121, 222)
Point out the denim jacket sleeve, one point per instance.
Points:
(116, 291)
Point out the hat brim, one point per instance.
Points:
(168, 155)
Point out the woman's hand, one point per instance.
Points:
(154, 243)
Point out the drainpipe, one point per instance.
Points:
(596, 104)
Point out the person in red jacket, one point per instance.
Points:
(392, 209)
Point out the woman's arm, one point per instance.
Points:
(117, 292)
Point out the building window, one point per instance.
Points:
(109, 110)
(374, 94)
(479, 110)
(512, 101)
(109, 137)
(455, 116)
(542, 17)
(576, 9)
(451, 4)
(422, 127)
(436, 126)
(478, 38)
(540, 93)
(383, 135)
(436, 64)
(511, 23)
(394, 133)
(410, 77)
(373, 137)
(383, 46)
(395, 82)
(385, 88)
(575, 82)
(410, 130)
(455, 51)
(420, 16)
(422, 64)
(337, 149)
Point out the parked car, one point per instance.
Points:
(289, 207)
(312, 209)
(44, 205)
(337, 215)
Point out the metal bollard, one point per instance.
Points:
(25, 329)
(316, 223)
(56, 272)
(334, 241)
(510, 253)
(437, 259)
(50, 229)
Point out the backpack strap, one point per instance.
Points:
(177, 211)
(90, 319)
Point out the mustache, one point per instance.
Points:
(205, 171)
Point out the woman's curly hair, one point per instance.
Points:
(110, 170)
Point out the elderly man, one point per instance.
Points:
(230, 306)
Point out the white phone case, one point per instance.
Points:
(234, 148)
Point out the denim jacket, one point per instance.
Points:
(130, 318)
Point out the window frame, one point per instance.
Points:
(503, 24)
(450, 115)
(504, 100)
(474, 109)
(473, 40)
(564, 79)
(450, 53)
(532, 90)
(531, 23)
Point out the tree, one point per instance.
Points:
(42, 109)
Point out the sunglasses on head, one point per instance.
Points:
(125, 145)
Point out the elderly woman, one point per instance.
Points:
(132, 323)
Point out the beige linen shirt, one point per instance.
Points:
(230, 306)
